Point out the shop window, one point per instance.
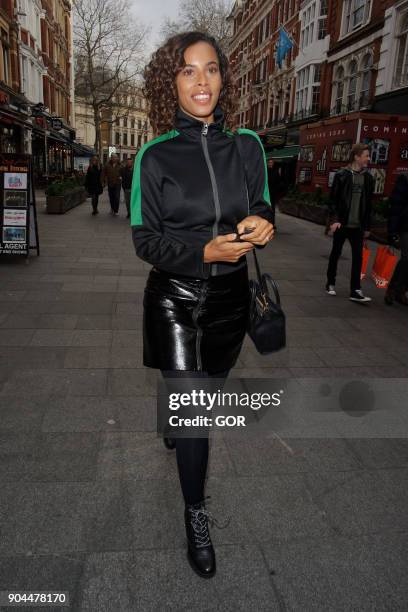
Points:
(401, 65)
(341, 151)
(305, 176)
(379, 149)
(352, 86)
(306, 153)
(356, 13)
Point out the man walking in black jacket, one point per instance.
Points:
(349, 214)
(398, 236)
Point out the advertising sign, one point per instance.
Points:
(17, 206)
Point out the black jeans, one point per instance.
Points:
(114, 197)
(192, 453)
(94, 201)
(355, 237)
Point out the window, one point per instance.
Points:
(339, 90)
(24, 75)
(139, 124)
(366, 79)
(132, 124)
(125, 139)
(132, 140)
(5, 55)
(322, 25)
(307, 95)
(352, 86)
(355, 14)
(401, 65)
(307, 31)
(117, 138)
(125, 122)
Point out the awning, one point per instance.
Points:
(285, 154)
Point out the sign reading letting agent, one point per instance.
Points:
(15, 191)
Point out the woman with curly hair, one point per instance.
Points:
(193, 196)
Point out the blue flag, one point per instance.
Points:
(283, 47)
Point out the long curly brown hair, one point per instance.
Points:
(160, 74)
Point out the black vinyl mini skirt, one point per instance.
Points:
(194, 324)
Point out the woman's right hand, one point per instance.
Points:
(225, 248)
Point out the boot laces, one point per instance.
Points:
(200, 517)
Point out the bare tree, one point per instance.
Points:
(209, 16)
(109, 56)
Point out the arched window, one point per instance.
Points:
(339, 89)
(352, 86)
(401, 66)
(366, 67)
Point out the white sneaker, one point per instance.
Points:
(330, 290)
(358, 296)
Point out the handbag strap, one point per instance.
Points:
(238, 144)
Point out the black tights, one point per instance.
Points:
(192, 453)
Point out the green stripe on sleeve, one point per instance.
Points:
(266, 195)
(136, 192)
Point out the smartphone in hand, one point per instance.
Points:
(247, 230)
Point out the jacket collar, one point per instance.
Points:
(192, 127)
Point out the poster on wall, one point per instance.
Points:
(378, 149)
(15, 180)
(341, 150)
(379, 176)
(18, 216)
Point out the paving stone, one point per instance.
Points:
(362, 501)
(310, 573)
(117, 580)
(15, 337)
(33, 357)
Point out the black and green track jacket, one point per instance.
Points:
(189, 187)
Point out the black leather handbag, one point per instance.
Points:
(267, 321)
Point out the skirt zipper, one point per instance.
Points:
(199, 334)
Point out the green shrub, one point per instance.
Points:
(58, 188)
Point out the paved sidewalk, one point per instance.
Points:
(90, 501)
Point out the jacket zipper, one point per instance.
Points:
(196, 312)
(204, 144)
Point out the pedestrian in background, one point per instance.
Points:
(93, 182)
(127, 175)
(349, 218)
(398, 236)
(112, 177)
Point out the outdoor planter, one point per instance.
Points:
(59, 204)
(304, 210)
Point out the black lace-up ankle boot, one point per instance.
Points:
(200, 552)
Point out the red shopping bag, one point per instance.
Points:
(366, 257)
(383, 268)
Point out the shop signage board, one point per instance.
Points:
(18, 215)
(325, 147)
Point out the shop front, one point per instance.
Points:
(325, 147)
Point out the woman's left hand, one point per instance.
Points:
(263, 231)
